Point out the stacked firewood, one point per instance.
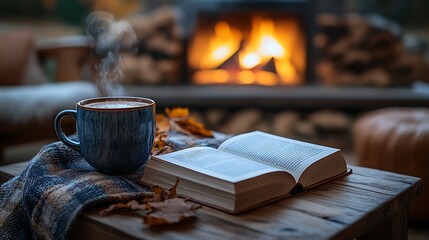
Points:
(288, 123)
(160, 48)
(365, 51)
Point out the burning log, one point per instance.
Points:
(270, 66)
(232, 63)
(364, 51)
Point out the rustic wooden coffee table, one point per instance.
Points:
(367, 203)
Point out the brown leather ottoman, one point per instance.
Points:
(397, 140)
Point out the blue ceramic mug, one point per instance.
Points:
(115, 134)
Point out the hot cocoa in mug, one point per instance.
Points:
(115, 134)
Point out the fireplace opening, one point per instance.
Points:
(273, 43)
(249, 47)
(248, 42)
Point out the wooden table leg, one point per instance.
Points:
(394, 227)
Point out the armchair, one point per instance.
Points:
(29, 102)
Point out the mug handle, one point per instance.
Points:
(59, 131)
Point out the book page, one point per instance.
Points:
(217, 164)
(289, 155)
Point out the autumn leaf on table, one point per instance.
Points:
(176, 119)
(159, 207)
(160, 194)
(190, 126)
(177, 112)
(181, 121)
(170, 211)
(166, 208)
(132, 205)
(160, 145)
(162, 123)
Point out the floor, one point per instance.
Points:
(416, 231)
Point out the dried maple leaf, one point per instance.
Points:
(160, 207)
(170, 211)
(163, 150)
(173, 190)
(190, 126)
(133, 205)
(160, 194)
(162, 123)
(159, 144)
(178, 119)
(177, 112)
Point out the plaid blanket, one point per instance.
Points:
(44, 200)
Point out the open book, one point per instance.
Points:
(245, 171)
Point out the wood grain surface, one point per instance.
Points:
(368, 203)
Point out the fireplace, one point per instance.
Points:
(282, 43)
(247, 48)
(174, 67)
(248, 42)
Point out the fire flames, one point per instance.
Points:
(271, 53)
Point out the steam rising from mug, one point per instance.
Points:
(109, 38)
